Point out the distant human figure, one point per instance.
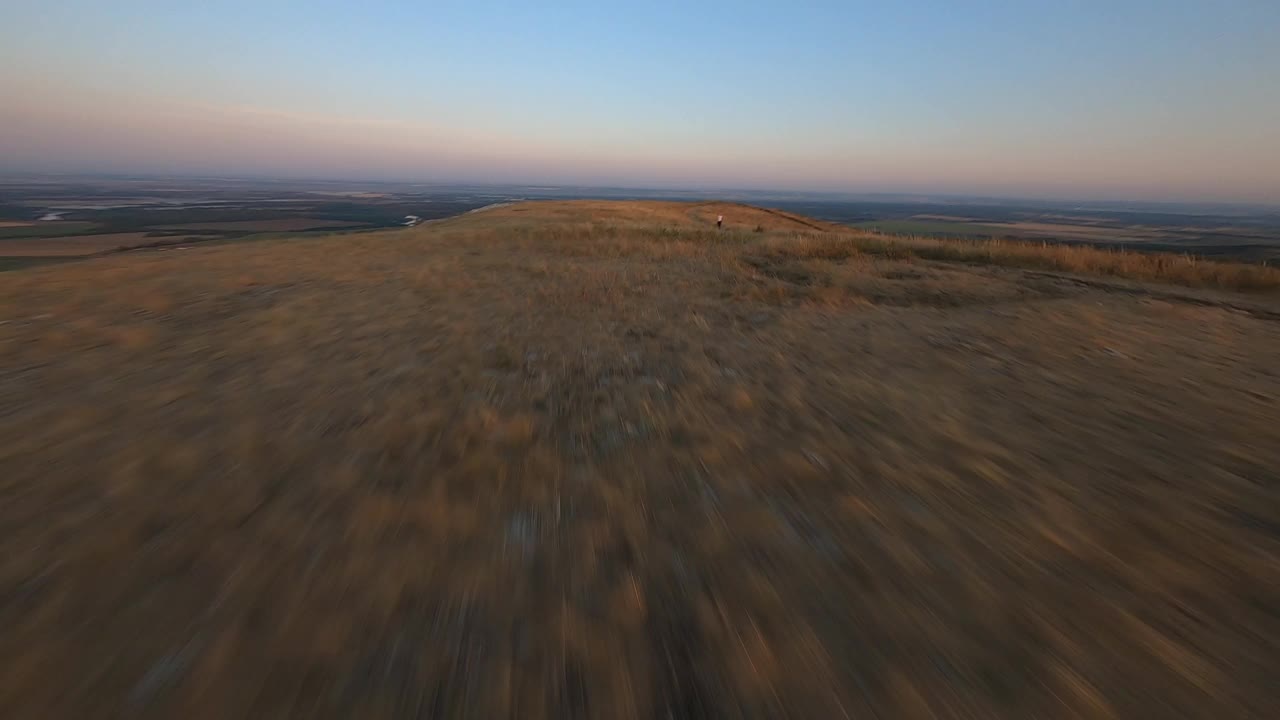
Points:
(719, 221)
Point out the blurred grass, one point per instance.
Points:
(600, 459)
(1183, 270)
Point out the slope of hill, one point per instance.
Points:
(588, 459)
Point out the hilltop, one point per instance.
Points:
(599, 459)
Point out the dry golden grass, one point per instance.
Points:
(560, 460)
(681, 229)
(1183, 270)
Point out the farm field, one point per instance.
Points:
(279, 225)
(944, 228)
(83, 245)
(44, 229)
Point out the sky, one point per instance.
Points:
(1101, 99)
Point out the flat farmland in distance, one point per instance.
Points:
(933, 227)
(80, 245)
(1081, 232)
(44, 229)
(945, 218)
(281, 225)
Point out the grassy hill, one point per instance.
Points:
(599, 459)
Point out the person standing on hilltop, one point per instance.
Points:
(719, 221)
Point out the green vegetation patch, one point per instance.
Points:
(933, 227)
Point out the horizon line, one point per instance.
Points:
(829, 194)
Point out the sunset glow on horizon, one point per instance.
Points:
(1121, 100)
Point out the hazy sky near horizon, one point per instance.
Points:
(1123, 99)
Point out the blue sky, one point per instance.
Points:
(1120, 99)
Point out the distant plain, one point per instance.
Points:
(162, 209)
